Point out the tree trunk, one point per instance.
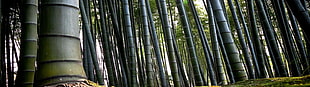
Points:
(26, 67)
(271, 38)
(190, 43)
(230, 46)
(59, 53)
(169, 42)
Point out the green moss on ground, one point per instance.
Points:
(275, 82)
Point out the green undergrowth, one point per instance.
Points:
(303, 81)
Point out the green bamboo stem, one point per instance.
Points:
(2, 78)
(85, 59)
(271, 38)
(230, 46)
(250, 43)
(300, 45)
(59, 53)
(26, 67)
(119, 38)
(190, 43)
(156, 46)
(256, 41)
(131, 49)
(205, 44)
(169, 41)
(215, 47)
(286, 37)
(90, 62)
(244, 47)
(91, 43)
(301, 15)
(147, 44)
(106, 45)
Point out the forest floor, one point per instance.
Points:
(80, 83)
(303, 81)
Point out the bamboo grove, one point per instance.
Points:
(154, 43)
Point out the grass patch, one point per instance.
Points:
(303, 81)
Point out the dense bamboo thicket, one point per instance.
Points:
(153, 43)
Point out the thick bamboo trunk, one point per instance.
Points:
(28, 55)
(59, 53)
(230, 46)
(242, 41)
